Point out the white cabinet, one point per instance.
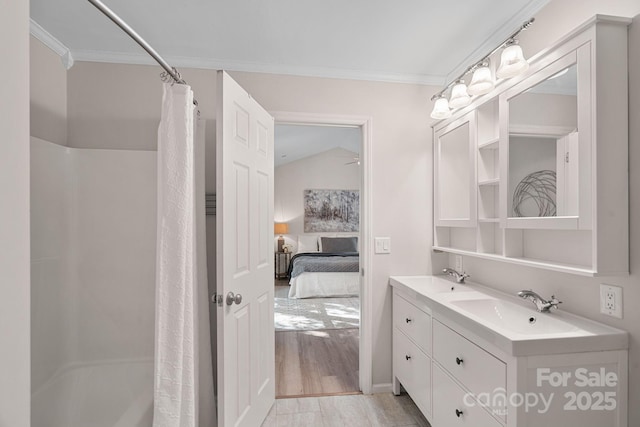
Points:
(458, 375)
(449, 405)
(476, 369)
(455, 167)
(547, 188)
(412, 351)
(412, 369)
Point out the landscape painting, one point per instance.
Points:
(331, 211)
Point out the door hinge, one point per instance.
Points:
(217, 299)
(362, 272)
(566, 157)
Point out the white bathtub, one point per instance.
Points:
(106, 394)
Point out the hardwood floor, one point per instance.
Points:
(316, 363)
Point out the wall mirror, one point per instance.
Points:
(455, 173)
(542, 148)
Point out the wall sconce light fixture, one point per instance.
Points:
(512, 63)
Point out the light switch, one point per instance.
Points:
(383, 245)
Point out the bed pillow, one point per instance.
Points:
(307, 243)
(339, 244)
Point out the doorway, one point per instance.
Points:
(322, 333)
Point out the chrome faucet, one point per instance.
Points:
(458, 276)
(542, 305)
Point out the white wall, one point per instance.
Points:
(581, 295)
(14, 215)
(325, 171)
(48, 80)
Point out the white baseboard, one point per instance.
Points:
(382, 388)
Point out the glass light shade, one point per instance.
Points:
(481, 82)
(441, 109)
(512, 62)
(459, 96)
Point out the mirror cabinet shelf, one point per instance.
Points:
(530, 173)
(489, 145)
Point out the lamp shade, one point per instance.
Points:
(481, 82)
(280, 228)
(459, 96)
(441, 109)
(512, 62)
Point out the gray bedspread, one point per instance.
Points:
(321, 262)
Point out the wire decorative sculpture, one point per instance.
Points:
(539, 188)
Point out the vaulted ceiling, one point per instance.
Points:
(422, 41)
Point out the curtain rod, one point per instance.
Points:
(171, 71)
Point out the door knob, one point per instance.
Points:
(231, 298)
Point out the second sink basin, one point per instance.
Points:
(508, 316)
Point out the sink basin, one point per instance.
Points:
(432, 284)
(506, 315)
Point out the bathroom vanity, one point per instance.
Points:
(471, 356)
(534, 172)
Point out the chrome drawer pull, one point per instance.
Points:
(458, 413)
(459, 361)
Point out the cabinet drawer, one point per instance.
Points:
(450, 407)
(415, 323)
(477, 370)
(413, 369)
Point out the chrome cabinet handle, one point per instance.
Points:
(231, 298)
(459, 361)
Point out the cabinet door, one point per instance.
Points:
(453, 407)
(455, 162)
(415, 323)
(545, 147)
(413, 369)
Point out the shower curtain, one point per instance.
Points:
(183, 382)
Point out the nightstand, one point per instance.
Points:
(282, 260)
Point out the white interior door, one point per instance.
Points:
(246, 366)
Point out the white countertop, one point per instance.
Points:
(509, 322)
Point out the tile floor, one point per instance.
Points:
(377, 410)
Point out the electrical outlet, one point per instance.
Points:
(611, 300)
(458, 263)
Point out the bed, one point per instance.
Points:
(333, 272)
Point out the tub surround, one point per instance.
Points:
(93, 257)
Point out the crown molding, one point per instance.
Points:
(498, 36)
(213, 64)
(52, 43)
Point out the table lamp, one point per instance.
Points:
(280, 228)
